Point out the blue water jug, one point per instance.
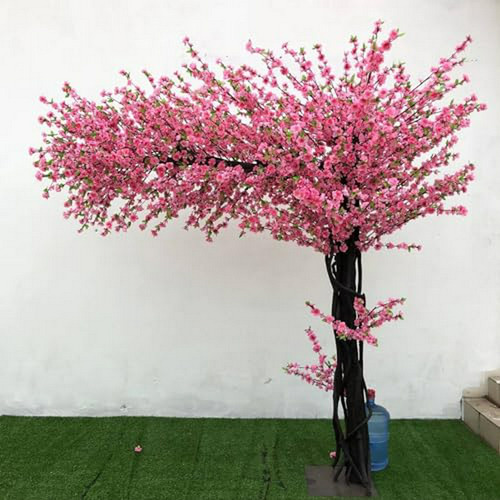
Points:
(378, 431)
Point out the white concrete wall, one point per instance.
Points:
(174, 326)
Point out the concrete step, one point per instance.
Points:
(494, 389)
(483, 417)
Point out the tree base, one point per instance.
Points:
(320, 482)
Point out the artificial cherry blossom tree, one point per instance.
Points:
(330, 161)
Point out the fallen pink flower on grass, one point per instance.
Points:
(138, 448)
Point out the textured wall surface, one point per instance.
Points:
(133, 325)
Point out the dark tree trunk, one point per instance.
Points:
(352, 446)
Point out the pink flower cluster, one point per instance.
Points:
(365, 320)
(293, 149)
(321, 373)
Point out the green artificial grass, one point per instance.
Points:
(225, 459)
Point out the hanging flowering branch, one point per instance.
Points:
(321, 373)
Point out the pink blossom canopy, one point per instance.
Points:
(292, 149)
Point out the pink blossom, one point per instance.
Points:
(393, 34)
(311, 335)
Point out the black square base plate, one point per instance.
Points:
(320, 483)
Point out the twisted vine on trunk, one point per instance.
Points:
(352, 445)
